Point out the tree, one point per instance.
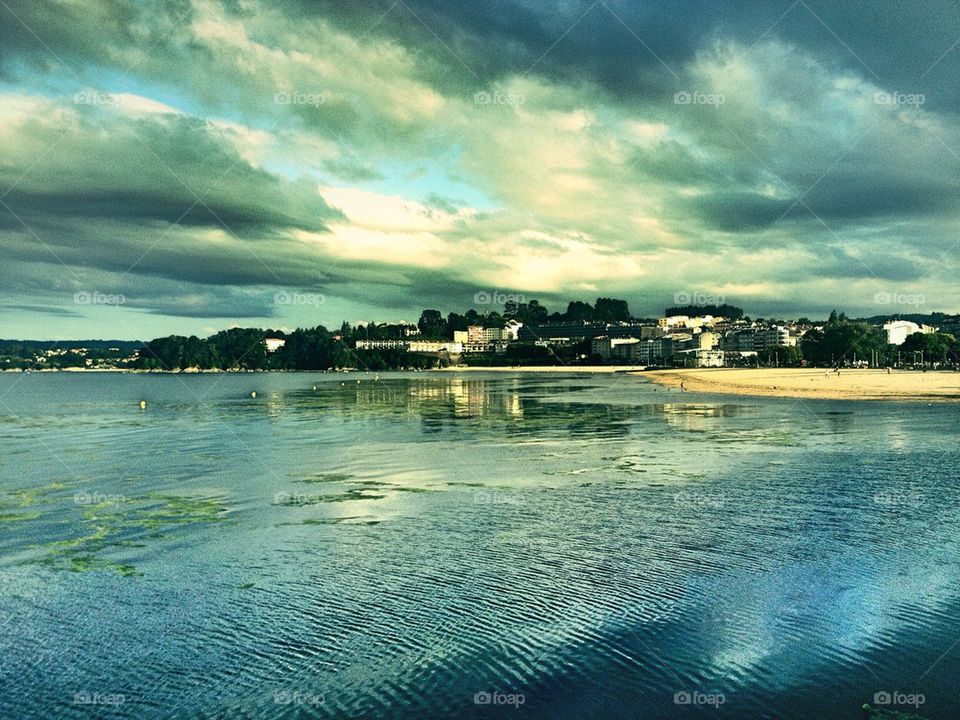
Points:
(432, 325)
(456, 321)
(935, 347)
(841, 341)
(610, 310)
(535, 313)
(726, 311)
(579, 311)
(782, 355)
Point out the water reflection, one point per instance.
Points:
(491, 407)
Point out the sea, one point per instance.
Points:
(471, 545)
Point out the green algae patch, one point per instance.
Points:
(17, 517)
(349, 495)
(126, 525)
(324, 477)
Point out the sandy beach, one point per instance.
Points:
(816, 383)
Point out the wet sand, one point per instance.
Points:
(816, 383)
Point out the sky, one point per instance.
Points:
(185, 166)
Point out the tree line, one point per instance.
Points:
(840, 341)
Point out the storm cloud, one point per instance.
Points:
(201, 157)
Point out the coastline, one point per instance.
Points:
(816, 383)
(587, 369)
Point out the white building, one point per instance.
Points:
(774, 336)
(382, 344)
(704, 357)
(673, 321)
(898, 330)
(274, 344)
(417, 346)
(432, 346)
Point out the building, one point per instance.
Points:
(479, 339)
(657, 351)
(479, 334)
(757, 339)
(771, 337)
(417, 346)
(564, 331)
(705, 340)
(382, 344)
(274, 344)
(673, 321)
(434, 346)
(688, 322)
(703, 357)
(611, 347)
(898, 330)
(648, 332)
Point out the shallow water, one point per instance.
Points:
(590, 546)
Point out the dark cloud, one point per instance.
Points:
(163, 168)
(42, 310)
(201, 214)
(631, 48)
(742, 211)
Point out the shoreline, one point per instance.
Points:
(816, 383)
(587, 369)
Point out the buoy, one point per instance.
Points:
(314, 387)
(143, 404)
(358, 382)
(253, 394)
